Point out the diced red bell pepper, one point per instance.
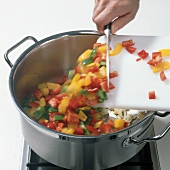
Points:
(51, 126)
(143, 54)
(113, 74)
(57, 90)
(53, 102)
(72, 117)
(152, 95)
(128, 43)
(38, 94)
(33, 104)
(78, 130)
(130, 49)
(155, 54)
(111, 86)
(73, 103)
(92, 130)
(162, 75)
(104, 86)
(106, 128)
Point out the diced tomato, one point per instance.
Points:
(72, 117)
(111, 86)
(33, 104)
(51, 126)
(130, 49)
(127, 43)
(143, 54)
(38, 94)
(53, 102)
(152, 95)
(78, 130)
(104, 86)
(113, 74)
(162, 75)
(106, 128)
(92, 130)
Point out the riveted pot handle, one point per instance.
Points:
(151, 139)
(131, 140)
(15, 46)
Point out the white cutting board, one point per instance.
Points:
(136, 79)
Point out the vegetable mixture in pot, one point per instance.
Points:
(68, 105)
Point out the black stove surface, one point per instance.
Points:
(141, 161)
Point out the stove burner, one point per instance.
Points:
(141, 161)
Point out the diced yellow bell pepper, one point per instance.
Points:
(119, 123)
(42, 102)
(31, 113)
(76, 78)
(71, 125)
(117, 50)
(161, 66)
(73, 87)
(101, 73)
(165, 52)
(63, 105)
(102, 48)
(42, 86)
(98, 124)
(67, 130)
(52, 85)
(85, 55)
(82, 116)
(45, 91)
(86, 108)
(87, 81)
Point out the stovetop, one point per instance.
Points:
(144, 160)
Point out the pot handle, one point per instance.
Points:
(15, 46)
(132, 140)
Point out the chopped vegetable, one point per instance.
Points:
(130, 49)
(162, 76)
(152, 95)
(143, 54)
(161, 67)
(165, 52)
(117, 50)
(127, 43)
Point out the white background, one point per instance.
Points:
(42, 18)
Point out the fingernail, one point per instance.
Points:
(114, 29)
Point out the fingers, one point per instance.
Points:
(121, 12)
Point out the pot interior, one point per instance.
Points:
(48, 60)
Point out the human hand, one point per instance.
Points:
(120, 12)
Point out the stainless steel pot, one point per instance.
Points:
(51, 58)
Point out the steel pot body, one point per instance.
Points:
(49, 59)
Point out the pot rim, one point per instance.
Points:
(55, 133)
